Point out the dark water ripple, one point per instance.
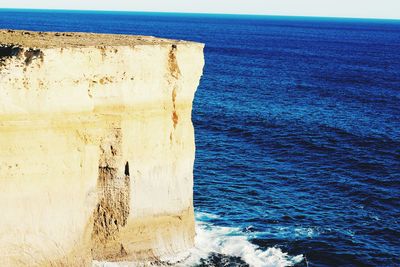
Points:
(297, 128)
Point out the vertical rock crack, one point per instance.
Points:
(112, 210)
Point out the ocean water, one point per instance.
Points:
(297, 131)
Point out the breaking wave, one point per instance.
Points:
(218, 246)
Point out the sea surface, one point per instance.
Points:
(297, 130)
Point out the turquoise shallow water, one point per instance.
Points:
(297, 131)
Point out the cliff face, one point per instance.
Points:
(97, 147)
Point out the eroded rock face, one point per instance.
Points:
(97, 147)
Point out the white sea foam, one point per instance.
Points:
(293, 232)
(227, 241)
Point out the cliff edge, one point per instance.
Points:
(97, 147)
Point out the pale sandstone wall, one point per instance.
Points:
(97, 151)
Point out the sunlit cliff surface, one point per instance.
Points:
(97, 147)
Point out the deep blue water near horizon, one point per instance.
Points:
(297, 128)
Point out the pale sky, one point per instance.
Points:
(326, 8)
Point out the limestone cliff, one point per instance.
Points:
(97, 147)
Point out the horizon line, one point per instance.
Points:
(201, 13)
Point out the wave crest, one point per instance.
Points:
(232, 243)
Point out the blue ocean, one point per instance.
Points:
(297, 126)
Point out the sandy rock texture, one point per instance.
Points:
(97, 147)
